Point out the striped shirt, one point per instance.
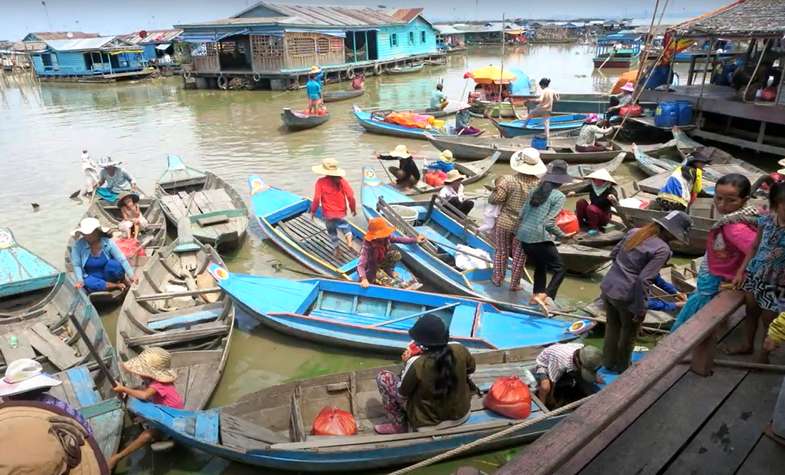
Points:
(679, 190)
(556, 360)
(539, 223)
(511, 192)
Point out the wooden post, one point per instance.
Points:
(354, 45)
(367, 46)
(757, 67)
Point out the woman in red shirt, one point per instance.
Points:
(332, 192)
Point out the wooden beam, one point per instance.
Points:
(171, 295)
(559, 444)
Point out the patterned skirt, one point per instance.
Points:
(764, 293)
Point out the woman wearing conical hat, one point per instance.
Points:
(595, 214)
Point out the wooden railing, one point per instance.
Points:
(554, 451)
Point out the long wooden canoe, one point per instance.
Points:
(298, 121)
(284, 219)
(218, 214)
(335, 96)
(535, 125)
(581, 260)
(581, 171)
(35, 303)
(653, 318)
(473, 172)
(151, 239)
(177, 305)
(379, 318)
(374, 123)
(613, 233)
(415, 68)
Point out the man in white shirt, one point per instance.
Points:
(452, 192)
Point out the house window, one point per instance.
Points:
(411, 38)
(394, 40)
(422, 37)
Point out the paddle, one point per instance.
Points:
(414, 315)
(101, 365)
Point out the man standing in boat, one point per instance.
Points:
(314, 90)
(548, 98)
(438, 99)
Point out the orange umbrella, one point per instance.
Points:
(490, 75)
(628, 76)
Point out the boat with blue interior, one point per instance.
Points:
(536, 125)
(618, 50)
(374, 122)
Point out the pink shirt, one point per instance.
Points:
(166, 394)
(739, 239)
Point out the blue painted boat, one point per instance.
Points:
(435, 261)
(517, 128)
(35, 301)
(284, 219)
(271, 428)
(375, 125)
(379, 318)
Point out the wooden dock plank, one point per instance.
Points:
(667, 424)
(727, 438)
(766, 457)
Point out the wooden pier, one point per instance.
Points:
(672, 415)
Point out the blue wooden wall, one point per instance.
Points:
(72, 63)
(404, 40)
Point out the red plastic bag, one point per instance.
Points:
(567, 221)
(435, 178)
(632, 110)
(334, 421)
(130, 247)
(510, 397)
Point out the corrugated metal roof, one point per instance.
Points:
(152, 36)
(63, 35)
(407, 14)
(742, 18)
(85, 44)
(313, 15)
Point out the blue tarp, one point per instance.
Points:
(521, 86)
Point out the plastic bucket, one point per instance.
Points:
(684, 109)
(539, 142)
(666, 114)
(406, 213)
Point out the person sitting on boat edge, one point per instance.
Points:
(566, 368)
(730, 240)
(592, 130)
(637, 260)
(624, 98)
(331, 193)
(452, 192)
(595, 214)
(313, 89)
(445, 163)
(406, 174)
(438, 99)
(434, 391)
(378, 257)
(133, 220)
(25, 380)
(98, 263)
(154, 366)
(113, 180)
(463, 118)
(684, 185)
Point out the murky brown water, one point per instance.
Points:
(43, 129)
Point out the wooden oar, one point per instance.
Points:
(101, 365)
(414, 315)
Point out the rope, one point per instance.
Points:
(496, 435)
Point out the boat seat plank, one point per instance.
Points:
(21, 350)
(173, 337)
(186, 317)
(220, 222)
(462, 320)
(212, 220)
(175, 205)
(307, 229)
(83, 386)
(55, 349)
(239, 433)
(207, 426)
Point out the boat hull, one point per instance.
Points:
(336, 96)
(294, 121)
(534, 126)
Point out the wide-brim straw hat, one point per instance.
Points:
(400, 151)
(453, 176)
(528, 162)
(26, 425)
(154, 363)
(109, 162)
(557, 173)
(25, 375)
(328, 167)
(134, 197)
(315, 70)
(378, 228)
(678, 224)
(447, 156)
(87, 226)
(602, 174)
(629, 87)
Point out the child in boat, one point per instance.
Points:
(434, 390)
(378, 257)
(154, 366)
(762, 274)
(98, 263)
(684, 184)
(565, 367)
(332, 192)
(637, 260)
(133, 219)
(729, 242)
(595, 214)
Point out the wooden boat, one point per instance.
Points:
(581, 171)
(335, 96)
(299, 121)
(217, 213)
(722, 162)
(379, 318)
(651, 165)
(581, 260)
(614, 232)
(151, 239)
(685, 277)
(284, 219)
(374, 123)
(522, 127)
(658, 150)
(478, 148)
(436, 62)
(451, 109)
(653, 318)
(35, 303)
(271, 428)
(473, 172)
(414, 68)
(177, 305)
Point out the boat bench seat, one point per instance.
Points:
(462, 320)
(352, 318)
(83, 386)
(186, 317)
(437, 239)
